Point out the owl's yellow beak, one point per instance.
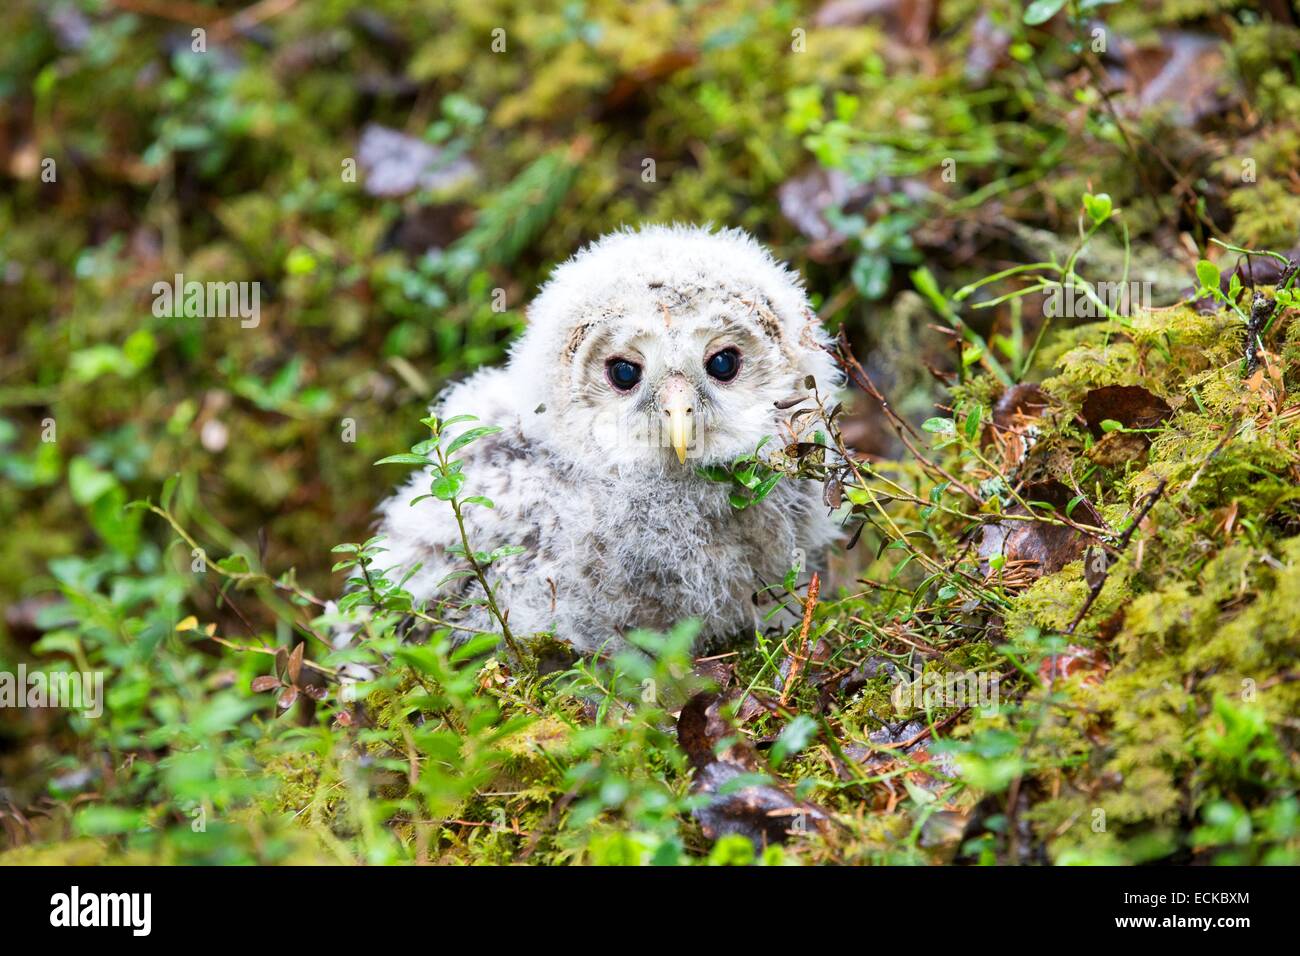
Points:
(675, 398)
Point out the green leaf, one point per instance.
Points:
(919, 794)
(59, 642)
(923, 279)
(87, 482)
(102, 820)
(456, 420)
(1110, 425)
(1207, 274)
(220, 714)
(766, 486)
(405, 459)
(1040, 11)
(941, 426)
(168, 490)
(871, 275)
(471, 435)
(1097, 207)
(456, 576)
(714, 473)
(476, 646)
(446, 487)
(793, 738)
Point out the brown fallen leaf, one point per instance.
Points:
(718, 671)
(1183, 74)
(1117, 448)
(805, 200)
(1133, 407)
(1130, 405)
(763, 812)
(1015, 413)
(1109, 629)
(649, 75)
(988, 48)
(1045, 547)
(1087, 662)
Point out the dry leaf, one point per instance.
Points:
(1130, 405)
(766, 812)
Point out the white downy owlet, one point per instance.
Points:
(647, 355)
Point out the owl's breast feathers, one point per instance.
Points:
(603, 554)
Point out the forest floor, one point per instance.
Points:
(1060, 240)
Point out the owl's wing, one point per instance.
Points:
(423, 540)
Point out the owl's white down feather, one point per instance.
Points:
(619, 535)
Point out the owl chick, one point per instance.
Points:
(647, 355)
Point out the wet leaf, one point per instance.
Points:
(446, 487)
(1039, 547)
(405, 459)
(1130, 405)
(743, 801)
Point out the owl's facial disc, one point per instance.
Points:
(653, 392)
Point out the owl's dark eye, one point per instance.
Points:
(623, 375)
(724, 365)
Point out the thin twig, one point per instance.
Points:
(843, 354)
(814, 587)
(1095, 590)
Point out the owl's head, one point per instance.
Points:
(669, 347)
